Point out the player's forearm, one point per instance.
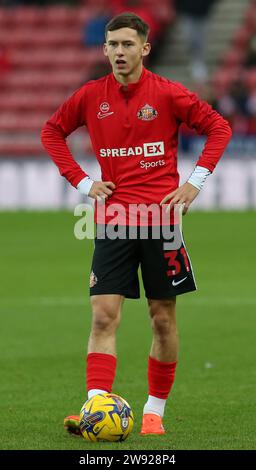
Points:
(55, 144)
(218, 136)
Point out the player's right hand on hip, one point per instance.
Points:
(101, 190)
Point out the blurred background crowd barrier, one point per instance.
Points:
(50, 48)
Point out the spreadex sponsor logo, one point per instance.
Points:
(150, 149)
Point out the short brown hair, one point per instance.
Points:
(128, 20)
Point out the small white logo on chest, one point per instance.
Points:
(104, 111)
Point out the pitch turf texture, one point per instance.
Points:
(45, 321)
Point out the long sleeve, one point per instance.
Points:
(199, 115)
(62, 123)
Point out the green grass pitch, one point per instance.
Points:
(45, 322)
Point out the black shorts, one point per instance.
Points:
(165, 273)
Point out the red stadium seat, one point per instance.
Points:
(249, 78)
(222, 80)
(47, 62)
(22, 121)
(250, 20)
(21, 148)
(21, 37)
(234, 57)
(233, 64)
(54, 58)
(28, 101)
(27, 16)
(241, 37)
(62, 15)
(31, 79)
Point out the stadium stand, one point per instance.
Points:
(234, 83)
(43, 60)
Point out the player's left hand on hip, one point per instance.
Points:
(184, 195)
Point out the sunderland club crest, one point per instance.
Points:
(147, 113)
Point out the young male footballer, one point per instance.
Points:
(133, 118)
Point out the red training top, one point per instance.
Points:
(134, 134)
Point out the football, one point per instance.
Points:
(106, 417)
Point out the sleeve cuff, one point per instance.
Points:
(85, 185)
(198, 177)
